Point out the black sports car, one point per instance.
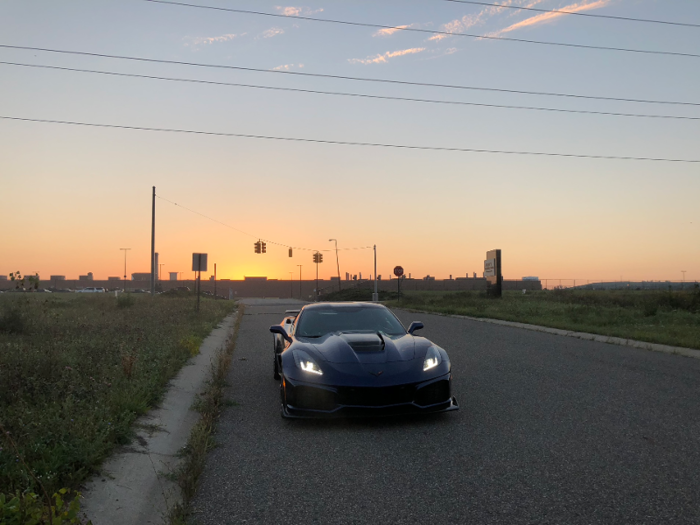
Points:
(347, 359)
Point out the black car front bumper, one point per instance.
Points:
(306, 400)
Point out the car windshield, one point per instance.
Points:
(316, 322)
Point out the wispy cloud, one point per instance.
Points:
(465, 23)
(384, 57)
(391, 30)
(296, 11)
(288, 67)
(208, 40)
(273, 31)
(461, 24)
(548, 17)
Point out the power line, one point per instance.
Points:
(357, 79)
(357, 95)
(431, 31)
(348, 143)
(268, 241)
(590, 15)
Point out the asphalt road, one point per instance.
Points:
(550, 430)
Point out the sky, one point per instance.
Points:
(72, 196)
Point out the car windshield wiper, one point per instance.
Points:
(310, 336)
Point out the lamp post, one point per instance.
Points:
(299, 265)
(125, 250)
(337, 263)
(375, 295)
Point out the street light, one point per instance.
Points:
(336, 259)
(125, 250)
(299, 265)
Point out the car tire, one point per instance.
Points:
(276, 375)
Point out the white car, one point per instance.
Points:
(91, 289)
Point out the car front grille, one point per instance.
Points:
(376, 397)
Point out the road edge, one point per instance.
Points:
(209, 405)
(135, 484)
(642, 345)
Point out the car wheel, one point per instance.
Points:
(276, 375)
(282, 411)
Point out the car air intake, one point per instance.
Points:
(433, 393)
(364, 342)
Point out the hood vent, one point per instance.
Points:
(364, 342)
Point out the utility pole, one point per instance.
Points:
(316, 293)
(337, 263)
(299, 265)
(215, 281)
(125, 250)
(153, 244)
(160, 272)
(375, 295)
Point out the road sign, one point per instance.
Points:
(398, 271)
(199, 262)
(490, 267)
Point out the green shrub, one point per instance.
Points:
(12, 320)
(30, 509)
(125, 300)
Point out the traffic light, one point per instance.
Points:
(318, 257)
(290, 252)
(258, 247)
(264, 247)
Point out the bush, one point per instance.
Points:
(30, 509)
(125, 300)
(12, 320)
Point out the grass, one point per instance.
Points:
(209, 405)
(671, 318)
(77, 370)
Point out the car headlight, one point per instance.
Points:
(306, 363)
(432, 358)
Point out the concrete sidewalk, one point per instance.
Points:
(133, 487)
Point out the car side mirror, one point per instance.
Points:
(415, 325)
(277, 329)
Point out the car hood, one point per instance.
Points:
(367, 348)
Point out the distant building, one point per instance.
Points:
(173, 276)
(114, 278)
(3, 277)
(87, 277)
(255, 278)
(143, 276)
(428, 278)
(531, 278)
(57, 278)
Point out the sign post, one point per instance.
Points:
(199, 264)
(398, 272)
(493, 274)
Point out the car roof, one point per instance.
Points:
(315, 306)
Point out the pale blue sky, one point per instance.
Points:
(87, 191)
